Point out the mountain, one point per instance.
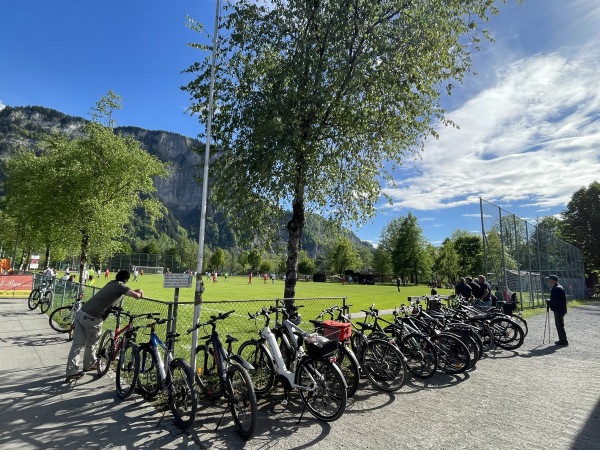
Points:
(179, 192)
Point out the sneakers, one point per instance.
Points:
(74, 377)
(565, 343)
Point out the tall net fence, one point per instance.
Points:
(519, 256)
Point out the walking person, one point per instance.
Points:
(398, 283)
(558, 305)
(88, 323)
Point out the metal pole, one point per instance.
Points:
(504, 281)
(199, 283)
(517, 260)
(485, 266)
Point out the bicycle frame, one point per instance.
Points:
(164, 370)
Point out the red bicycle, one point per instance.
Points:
(121, 342)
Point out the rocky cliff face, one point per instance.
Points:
(180, 192)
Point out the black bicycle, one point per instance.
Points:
(221, 373)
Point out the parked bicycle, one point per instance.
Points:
(313, 372)
(42, 296)
(171, 375)
(63, 319)
(221, 373)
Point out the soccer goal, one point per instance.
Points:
(149, 270)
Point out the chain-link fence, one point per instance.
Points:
(181, 314)
(519, 256)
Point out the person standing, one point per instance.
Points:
(558, 305)
(106, 274)
(88, 323)
(398, 283)
(135, 274)
(250, 278)
(485, 292)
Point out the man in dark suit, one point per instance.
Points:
(558, 305)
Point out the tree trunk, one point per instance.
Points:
(47, 256)
(295, 227)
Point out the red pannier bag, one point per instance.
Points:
(331, 326)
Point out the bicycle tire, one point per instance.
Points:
(46, 302)
(348, 363)
(384, 365)
(507, 334)
(61, 319)
(263, 375)
(485, 333)
(148, 380)
(182, 396)
(243, 400)
(326, 400)
(207, 372)
(453, 354)
(522, 323)
(128, 368)
(33, 299)
(421, 355)
(104, 354)
(469, 343)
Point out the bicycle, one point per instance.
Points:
(41, 296)
(221, 373)
(63, 319)
(172, 375)
(322, 387)
(121, 342)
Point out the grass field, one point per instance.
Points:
(237, 288)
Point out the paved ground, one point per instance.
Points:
(538, 397)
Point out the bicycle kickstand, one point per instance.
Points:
(223, 415)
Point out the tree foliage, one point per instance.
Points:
(581, 225)
(343, 256)
(313, 98)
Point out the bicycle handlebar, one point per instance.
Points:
(212, 321)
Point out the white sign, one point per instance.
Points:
(35, 262)
(177, 280)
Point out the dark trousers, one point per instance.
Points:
(559, 320)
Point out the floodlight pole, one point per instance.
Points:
(199, 283)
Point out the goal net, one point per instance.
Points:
(149, 270)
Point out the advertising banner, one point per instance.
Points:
(15, 285)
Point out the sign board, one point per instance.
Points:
(177, 280)
(35, 262)
(15, 285)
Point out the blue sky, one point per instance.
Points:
(529, 121)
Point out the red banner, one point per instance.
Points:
(15, 285)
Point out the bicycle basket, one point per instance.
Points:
(320, 346)
(331, 326)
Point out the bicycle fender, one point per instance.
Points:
(242, 362)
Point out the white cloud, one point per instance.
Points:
(2, 105)
(533, 137)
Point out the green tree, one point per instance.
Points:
(446, 263)
(217, 260)
(243, 259)
(266, 266)
(306, 265)
(343, 256)
(254, 259)
(581, 225)
(470, 254)
(381, 262)
(403, 239)
(314, 97)
(102, 178)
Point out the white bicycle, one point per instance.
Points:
(313, 371)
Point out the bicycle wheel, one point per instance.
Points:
(453, 355)
(384, 365)
(182, 396)
(104, 353)
(34, 299)
(263, 375)
(507, 334)
(485, 333)
(522, 323)
(46, 301)
(61, 319)
(323, 388)
(243, 400)
(348, 364)
(148, 381)
(207, 373)
(127, 369)
(421, 356)
(469, 343)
